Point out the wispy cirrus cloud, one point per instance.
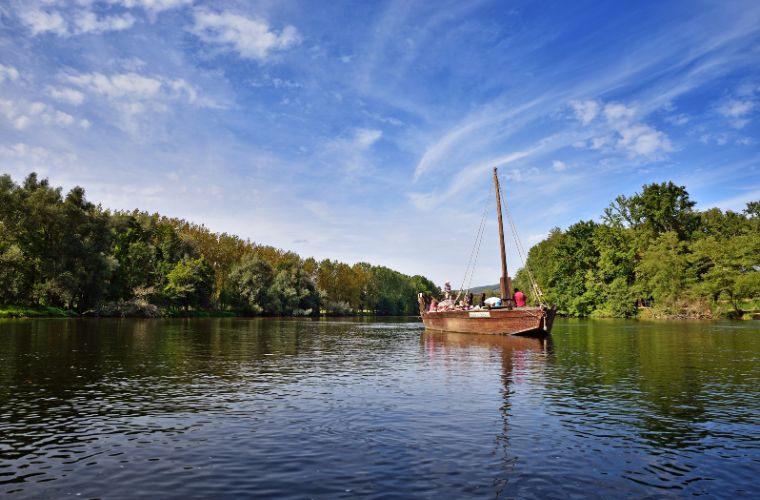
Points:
(351, 151)
(344, 109)
(469, 175)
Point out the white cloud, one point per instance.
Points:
(8, 73)
(734, 108)
(616, 112)
(39, 21)
(22, 157)
(739, 123)
(76, 22)
(621, 131)
(680, 119)
(21, 114)
(643, 140)
(88, 22)
(585, 111)
(350, 151)
(131, 85)
(134, 96)
(249, 38)
(154, 5)
(601, 142)
(559, 166)
(440, 149)
(364, 138)
(720, 139)
(66, 95)
(21, 150)
(469, 175)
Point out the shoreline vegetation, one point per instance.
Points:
(652, 257)
(62, 256)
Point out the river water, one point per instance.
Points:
(339, 409)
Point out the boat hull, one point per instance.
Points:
(502, 321)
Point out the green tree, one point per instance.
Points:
(662, 270)
(249, 285)
(659, 208)
(727, 267)
(190, 283)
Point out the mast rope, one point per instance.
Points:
(470, 269)
(521, 251)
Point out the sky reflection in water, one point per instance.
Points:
(328, 409)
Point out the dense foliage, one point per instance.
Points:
(63, 251)
(653, 253)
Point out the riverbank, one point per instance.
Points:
(36, 312)
(8, 312)
(56, 312)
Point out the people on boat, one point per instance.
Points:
(468, 301)
(493, 302)
(424, 302)
(519, 298)
(433, 305)
(447, 290)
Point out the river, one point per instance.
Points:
(377, 408)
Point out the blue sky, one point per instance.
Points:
(366, 131)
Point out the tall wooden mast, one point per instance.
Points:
(505, 283)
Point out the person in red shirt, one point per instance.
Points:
(519, 298)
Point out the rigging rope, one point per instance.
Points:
(521, 251)
(470, 269)
(475, 252)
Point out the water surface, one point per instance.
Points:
(340, 409)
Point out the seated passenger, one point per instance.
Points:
(519, 298)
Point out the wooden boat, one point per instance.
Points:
(504, 320)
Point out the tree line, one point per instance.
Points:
(63, 251)
(654, 254)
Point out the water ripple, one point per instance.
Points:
(339, 409)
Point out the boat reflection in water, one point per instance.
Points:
(508, 343)
(523, 362)
(514, 351)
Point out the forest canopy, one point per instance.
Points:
(652, 254)
(60, 250)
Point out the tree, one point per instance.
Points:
(292, 292)
(190, 283)
(659, 208)
(727, 267)
(662, 270)
(249, 285)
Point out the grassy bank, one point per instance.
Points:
(35, 312)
